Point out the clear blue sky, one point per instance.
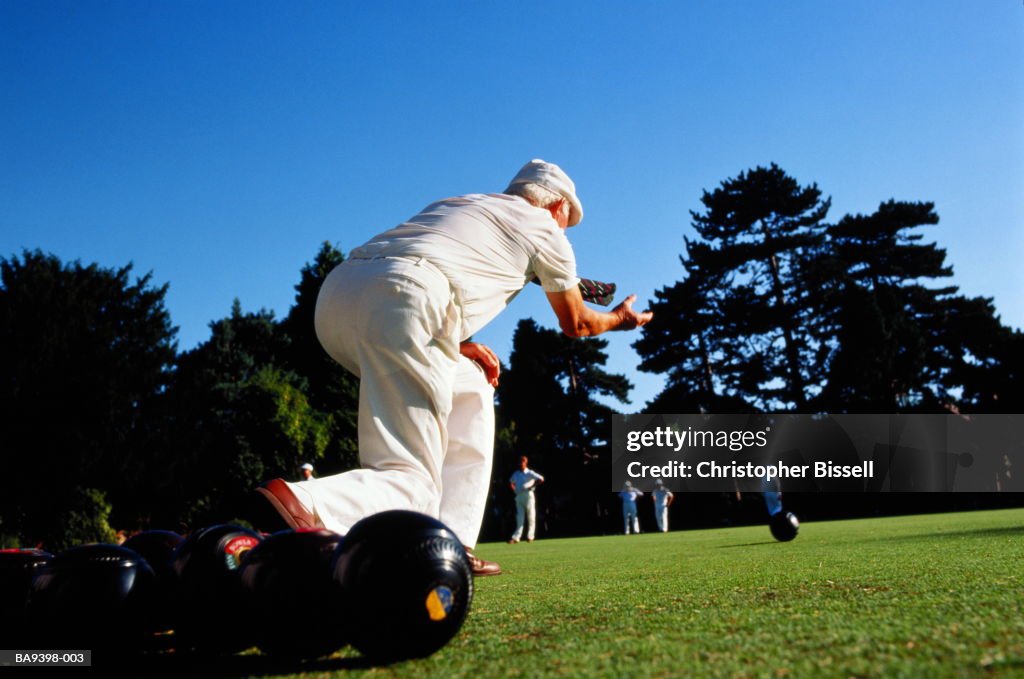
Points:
(217, 144)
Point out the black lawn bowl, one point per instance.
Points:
(209, 615)
(157, 547)
(291, 598)
(406, 585)
(17, 568)
(94, 597)
(784, 526)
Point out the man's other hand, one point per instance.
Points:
(485, 358)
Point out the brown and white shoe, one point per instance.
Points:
(480, 566)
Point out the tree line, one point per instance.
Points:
(779, 310)
(105, 423)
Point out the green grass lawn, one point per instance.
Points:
(912, 596)
(919, 596)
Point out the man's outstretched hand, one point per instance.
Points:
(631, 319)
(485, 358)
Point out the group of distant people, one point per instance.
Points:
(771, 493)
(524, 481)
(663, 497)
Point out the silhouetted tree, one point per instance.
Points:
(993, 381)
(688, 343)
(902, 342)
(739, 320)
(85, 353)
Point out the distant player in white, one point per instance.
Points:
(663, 497)
(523, 482)
(629, 496)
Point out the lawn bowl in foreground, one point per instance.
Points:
(291, 598)
(94, 596)
(406, 585)
(17, 568)
(210, 614)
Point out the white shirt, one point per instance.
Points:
(525, 480)
(629, 496)
(661, 497)
(489, 246)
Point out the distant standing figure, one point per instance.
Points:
(663, 497)
(307, 472)
(629, 496)
(523, 482)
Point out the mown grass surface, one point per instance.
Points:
(920, 596)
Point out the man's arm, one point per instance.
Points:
(593, 291)
(578, 320)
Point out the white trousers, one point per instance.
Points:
(629, 517)
(661, 515)
(526, 513)
(426, 413)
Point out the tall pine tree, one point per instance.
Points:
(739, 322)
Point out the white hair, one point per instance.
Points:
(540, 196)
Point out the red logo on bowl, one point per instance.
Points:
(236, 547)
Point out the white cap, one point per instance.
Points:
(553, 178)
(307, 466)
